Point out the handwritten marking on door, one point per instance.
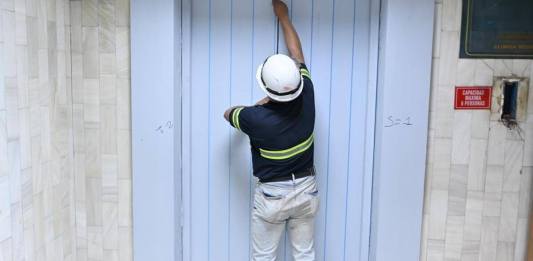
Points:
(392, 121)
(164, 127)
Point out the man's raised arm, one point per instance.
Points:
(291, 36)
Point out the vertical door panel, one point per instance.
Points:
(225, 41)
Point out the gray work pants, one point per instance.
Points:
(292, 203)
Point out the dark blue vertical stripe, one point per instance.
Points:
(349, 135)
(329, 126)
(229, 127)
(209, 143)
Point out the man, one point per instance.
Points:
(280, 128)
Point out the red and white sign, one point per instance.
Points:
(473, 97)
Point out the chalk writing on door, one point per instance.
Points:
(164, 127)
(392, 121)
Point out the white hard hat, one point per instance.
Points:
(280, 78)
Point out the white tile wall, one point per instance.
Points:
(479, 197)
(65, 164)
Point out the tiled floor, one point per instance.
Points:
(65, 175)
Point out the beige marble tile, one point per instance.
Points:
(125, 243)
(6, 249)
(123, 104)
(81, 227)
(528, 145)
(437, 31)
(508, 217)
(3, 146)
(124, 203)
(107, 64)
(489, 239)
(91, 100)
(106, 15)
(110, 226)
(94, 203)
(12, 115)
(22, 76)
(505, 251)
(108, 90)
(89, 12)
(31, 7)
(123, 52)
(109, 179)
(470, 251)
(9, 48)
(465, 71)
(79, 178)
(17, 231)
(496, 147)
(435, 250)
(451, 10)
(1, 28)
(494, 179)
(484, 73)
(108, 129)
(95, 249)
(5, 209)
(78, 128)
(124, 154)
(437, 214)
(525, 193)
(36, 170)
(477, 165)
(480, 124)
(14, 170)
(20, 29)
(461, 137)
(521, 242)
(122, 11)
(20, 7)
(449, 47)
(492, 202)
(51, 10)
(474, 215)
(25, 138)
(434, 90)
(111, 255)
(90, 52)
(92, 153)
(76, 29)
(77, 79)
(512, 165)
(457, 190)
(454, 238)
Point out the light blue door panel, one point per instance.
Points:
(224, 42)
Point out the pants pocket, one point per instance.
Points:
(267, 206)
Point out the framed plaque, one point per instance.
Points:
(497, 29)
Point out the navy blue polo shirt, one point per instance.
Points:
(281, 134)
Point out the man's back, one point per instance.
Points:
(281, 134)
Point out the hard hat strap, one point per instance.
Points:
(282, 93)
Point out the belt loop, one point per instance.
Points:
(293, 178)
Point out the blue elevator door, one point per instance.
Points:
(224, 42)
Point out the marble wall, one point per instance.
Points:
(65, 175)
(101, 129)
(478, 178)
